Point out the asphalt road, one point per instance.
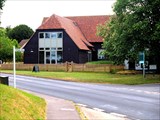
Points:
(136, 102)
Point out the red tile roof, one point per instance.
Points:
(81, 29)
(23, 43)
(88, 25)
(50, 23)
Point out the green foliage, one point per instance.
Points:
(8, 29)
(134, 27)
(20, 32)
(6, 47)
(1, 4)
(2, 32)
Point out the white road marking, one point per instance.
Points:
(67, 109)
(119, 115)
(138, 90)
(97, 109)
(79, 104)
(110, 106)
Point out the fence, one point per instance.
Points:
(71, 67)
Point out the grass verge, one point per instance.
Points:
(18, 105)
(92, 77)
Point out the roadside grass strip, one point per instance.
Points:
(93, 77)
(18, 105)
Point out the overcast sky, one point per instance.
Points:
(31, 12)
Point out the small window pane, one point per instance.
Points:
(53, 35)
(53, 48)
(59, 57)
(41, 48)
(47, 48)
(41, 35)
(47, 35)
(59, 48)
(59, 35)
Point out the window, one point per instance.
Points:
(47, 35)
(59, 48)
(59, 56)
(59, 35)
(53, 35)
(41, 35)
(50, 47)
(53, 48)
(47, 48)
(101, 54)
(41, 48)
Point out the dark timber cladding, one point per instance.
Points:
(31, 50)
(70, 50)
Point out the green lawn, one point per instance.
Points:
(19, 105)
(93, 77)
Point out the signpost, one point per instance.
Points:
(14, 63)
(142, 61)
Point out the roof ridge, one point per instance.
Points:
(49, 22)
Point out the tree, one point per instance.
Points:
(1, 4)
(8, 29)
(20, 32)
(135, 27)
(6, 47)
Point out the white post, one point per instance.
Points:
(14, 66)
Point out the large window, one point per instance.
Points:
(50, 47)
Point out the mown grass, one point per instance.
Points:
(92, 77)
(19, 105)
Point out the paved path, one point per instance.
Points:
(59, 109)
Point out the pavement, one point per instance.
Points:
(60, 109)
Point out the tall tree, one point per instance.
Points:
(20, 32)
(134, 28)
(1, 4)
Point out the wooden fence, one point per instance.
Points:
(70, 67)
